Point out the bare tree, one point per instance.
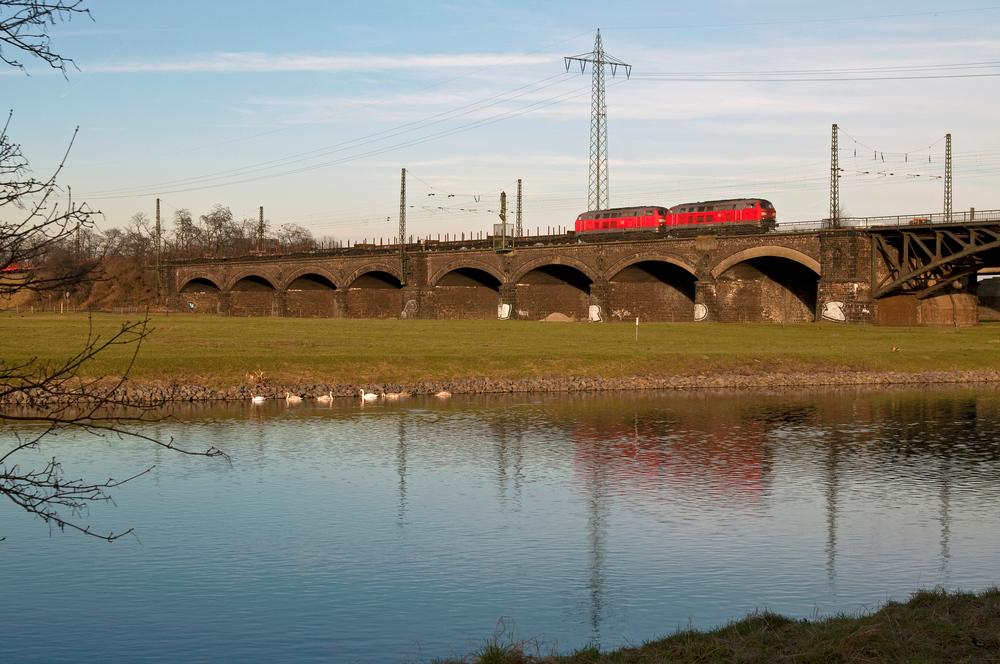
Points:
(34, 223)
(295, 238)
(217, 227)
(36, 217)
(140, 236)
(186, 234)
(24, 26)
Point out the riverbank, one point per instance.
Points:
(155, 392)
(933, 626)
(200, 358)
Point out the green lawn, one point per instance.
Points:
(219, 352)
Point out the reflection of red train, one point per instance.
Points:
(720, 465)
(743, 211)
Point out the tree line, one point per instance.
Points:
(216, 233)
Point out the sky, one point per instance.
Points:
(311, 109)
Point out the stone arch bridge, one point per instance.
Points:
(844, 275)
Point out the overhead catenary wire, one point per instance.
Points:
(355, 109)
(896, 152)
(676, 188)
(770, 22)
(673, 190)
(894, 73)
(283, 166)
(206, 181)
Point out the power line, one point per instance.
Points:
(153, 189)
(357, 142)
(373, 104)
(202, 182)
(894, 73)
(743, 24)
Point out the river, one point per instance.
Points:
(411, 530)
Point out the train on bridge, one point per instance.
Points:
(755, 213)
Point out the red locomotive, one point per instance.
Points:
(743, 211)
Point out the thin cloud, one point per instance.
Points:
(266, 62)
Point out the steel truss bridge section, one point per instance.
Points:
(922, 259)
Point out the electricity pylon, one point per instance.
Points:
(598, 194)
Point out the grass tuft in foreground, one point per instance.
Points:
(933, 626)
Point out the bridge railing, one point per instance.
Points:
(893, 220)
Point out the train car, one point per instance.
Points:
(617, 219)
(743, 211)
(756, 211)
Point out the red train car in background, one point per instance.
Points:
(755, 212)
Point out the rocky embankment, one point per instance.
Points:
(153, 393)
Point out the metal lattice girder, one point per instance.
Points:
(599, 194)
(924, 259)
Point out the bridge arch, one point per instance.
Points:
(199, 294)
(324, 274)
(199, 283)
(650, 256)
(251, 276)
(652, 286)
(310, 293)
(555, 286)
(769, 251)
(567, 261)
(466, 263)
(466, 289)
(375, 290)
(766, 284)
(385, 267)
(251, 294)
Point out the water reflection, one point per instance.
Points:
(945, 521)
(351, 533)
(830, 488)
(401, 469)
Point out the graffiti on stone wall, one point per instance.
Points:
(834, 310)
(621, 314)
(409, 309)
(594, 313)
(700, 311)
(503, 312)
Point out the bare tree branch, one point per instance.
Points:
(48, 398)
(33, 222)
(59, 399)
(24, 26)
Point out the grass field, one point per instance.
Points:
(218, 352)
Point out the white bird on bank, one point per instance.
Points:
(325, 398)
(368, 396)
(292, 398)
(443, 394)
(256, 398)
